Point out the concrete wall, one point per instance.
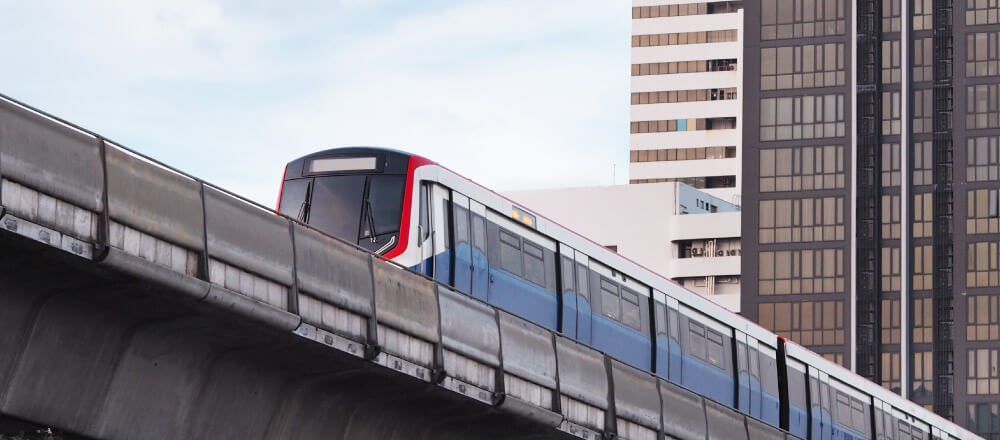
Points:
(92, 353)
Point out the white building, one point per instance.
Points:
(684, 234)
(686, 93)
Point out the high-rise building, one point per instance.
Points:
(685, 93)
(870, 191)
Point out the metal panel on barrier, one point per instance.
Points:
(724, 423)
(683, 413)
(582, 373)
(247, 236)
(333, 271)
(53, 158)
(636, 397)
(469, 327)
(527, 351)
(154, 200)
(763, 431)
(405, 301)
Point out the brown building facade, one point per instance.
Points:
(871, 227)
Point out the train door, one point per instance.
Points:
(440, 210)
(665, 335)
(743, 392)
(820, 405)
(480, 277)
(584, 291)
(461, 229)
(424, 232)
(570, 291)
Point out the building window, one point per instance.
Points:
(810, 65)
(891, 62)
(984, 377)
(669, 97)
(890, 216)
(891, 281)
(808, 323)
(923, 267)
(685, 10)
(983, 318)
(983, 270)
(801, 220)
(982, 215)
(890, 321)
(982, 12)
(891, 122)
(923, 111)
(802, 168)
(923, 375)
(890, 165)
(981, 54)
(670, 68)
(672, 125)
(983, 106)
(695, 182)
(923, 60)
(674, 154)
(680, 38)
(922, 14)
(982, 159)
(795, 272)
(802, 117)
(891, 16)
(923, 215)
(783, 19)
(923, 161)
(923, 328)
(891, 372)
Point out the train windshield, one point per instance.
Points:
(363, 209)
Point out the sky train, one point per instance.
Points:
(426, 217)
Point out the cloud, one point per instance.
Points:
(513, 93)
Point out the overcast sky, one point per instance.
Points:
(515, 94)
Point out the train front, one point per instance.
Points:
(355, 194)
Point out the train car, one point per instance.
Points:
(426, 217)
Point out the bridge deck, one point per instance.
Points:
(139, 302)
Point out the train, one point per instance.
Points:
(420, 214)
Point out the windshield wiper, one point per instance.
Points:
(306, 204)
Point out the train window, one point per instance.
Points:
(769, 373)
(583, 282)
(293, 198)
(385, 200)
(610, 305)
(715, 349)
(534, 263)
(630, 309)
(336, 205)
(461, 216)
(479, 233)
(425, 220)
(660, 314)
(510, 252)
(843, 410)
(568, 284)
(696, 338)
(674, 321)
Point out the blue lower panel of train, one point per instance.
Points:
(523, 298)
